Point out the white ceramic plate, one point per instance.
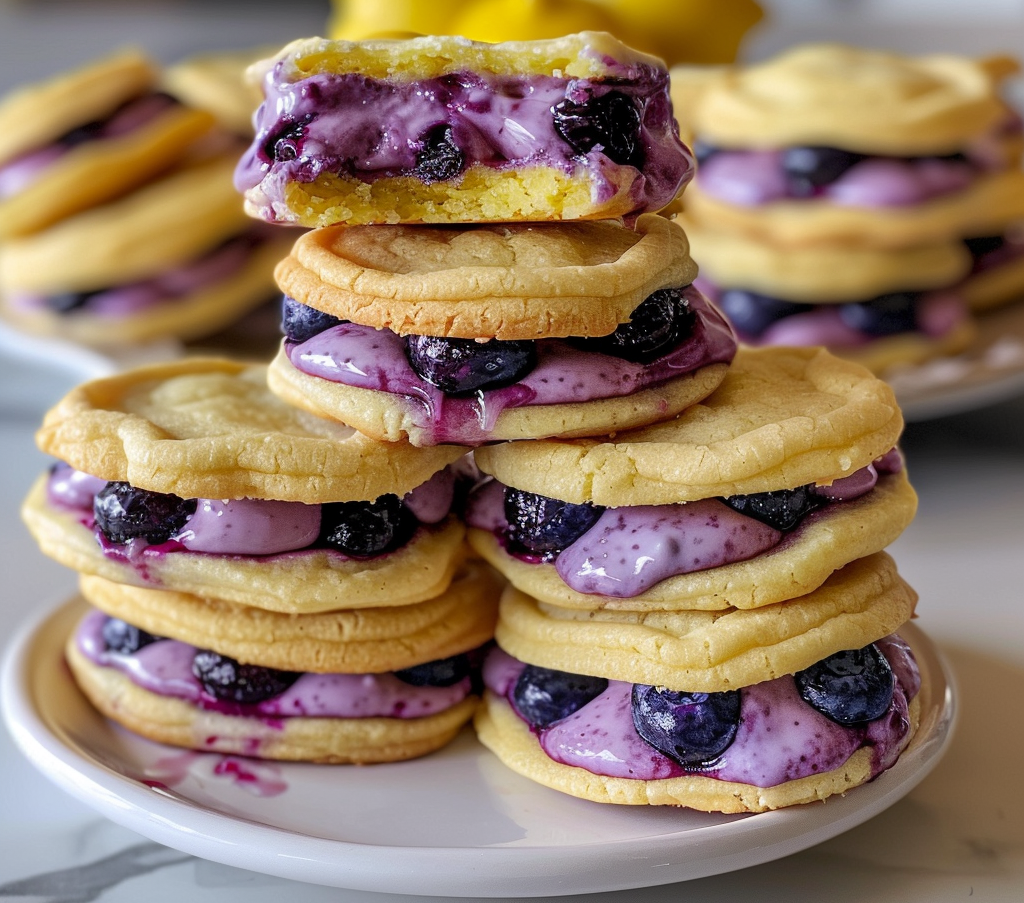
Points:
(456, 823)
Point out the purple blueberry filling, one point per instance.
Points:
(765, 734)
(435, 129)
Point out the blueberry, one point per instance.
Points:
(544, 526)
(983, 245)
(661, 321)
(543, 696)
(782, 509)
(120, 636)
(82, 134)
(442, 672)
(66, 302)
(703, 150)
(366, 528)
(300, 321)
(439, 158)
(461, 367)
(850, 687)
(228, 680)
(285, 143)
(123, 512)
(752, 313)
(810, 168)
(611, 120)
(884, 315)
(693, 729)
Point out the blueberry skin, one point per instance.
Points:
(809, 168)
(228, 680)
(544, 526)
(366, 528)
(851, 687)
(657, 325)
(543, 696)
(460, 367)
(611, 121)
(782, 509)
(442, 672)
(120, 636)
(440, 158)
(884, 315)
(693, 729)
(123, 512)
(287, 142)
(752, 313)
(300, 322)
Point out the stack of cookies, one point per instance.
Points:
(699, 610)
(120, 224)
(861, 200)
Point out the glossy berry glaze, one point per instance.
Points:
(772, 736)
(367, 358)
(18, 174)
(627, 550)
(168, 668)
(247, 527)
(764, 320)
(435, 129)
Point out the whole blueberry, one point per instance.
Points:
(884, 315)
(544, 526)
(543, 696)
(363, 529)
(752, 313)
(300, 322)
(460, 367)
(439, 158)
(120, 636)
(442, 672)
(228, 680)
(782, 509)
(809, 168)
(850, 687)
(656, 326)
(610, 121)
(693, 729)
(123, 512)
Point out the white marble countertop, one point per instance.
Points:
(958, 835)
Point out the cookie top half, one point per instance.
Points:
(509, 281)
(39, 113)
(210, 428)
(858, 99)
(782, 418)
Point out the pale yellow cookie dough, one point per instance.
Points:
(305, 739)
(782, 417)
(296, 583)
(800, 564)
(210, 428)
(710, 652)
(511, 740)
(367, 641)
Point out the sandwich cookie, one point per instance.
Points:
(447, 130)
(880, 307)
(827, 143)
(86, 137)
(176, 258)
(193, 477)
(754, 496)
(470, 334)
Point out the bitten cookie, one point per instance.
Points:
(474, 333)
(85, 137)
(578, 127)
(756, 495)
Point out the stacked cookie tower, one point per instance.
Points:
(856, 199)
(118, 217)
(685, 560)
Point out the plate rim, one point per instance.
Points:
(491, 871)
